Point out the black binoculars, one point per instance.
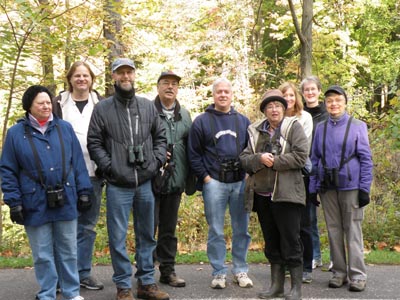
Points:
(55, 196)
(331, 177)
(135, 154)
(229, 166)
(273, 148)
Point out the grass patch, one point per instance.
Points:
(377, 257)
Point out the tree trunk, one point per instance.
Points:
(112, 28)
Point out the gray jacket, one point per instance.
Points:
(288, 185)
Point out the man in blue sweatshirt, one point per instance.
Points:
(216, 139)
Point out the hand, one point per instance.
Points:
(363, 198)
(84, 203)
(314, 199)
(16, 214)
(267, 159)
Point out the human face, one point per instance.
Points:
(81, 81)
(167, 89)
(335, 105)
(41, 106)
(124, 78)
(290, 98)
(274, 111)
(223, 97)
(311, 93)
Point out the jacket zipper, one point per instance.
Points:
(132, 139)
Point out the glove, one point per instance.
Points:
(314, 199)
(363, 198)
(16, 214)
(84, 203)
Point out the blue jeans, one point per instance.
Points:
(120, 202)
(86, 234)
(217, 195)
(314, 232)
(54, 252)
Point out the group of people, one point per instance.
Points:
(56, 160)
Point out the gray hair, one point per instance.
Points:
(220, 80)
(313, 79)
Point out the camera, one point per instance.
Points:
(55, 197)
(273, 148)
(229, 166)
(331, 177)
(135, 154)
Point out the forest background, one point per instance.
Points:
(256, 44)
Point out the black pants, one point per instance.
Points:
(280, 224)
(306, 232)
(165, 219)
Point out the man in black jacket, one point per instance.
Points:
(126, 139)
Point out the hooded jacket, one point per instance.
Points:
(120, 125)
(20, 176)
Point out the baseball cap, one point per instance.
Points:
(119, 62)
(168, 73)
(337, 90)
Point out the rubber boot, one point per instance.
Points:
(277, 283)
(296, 276)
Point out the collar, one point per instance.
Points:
(177, 108)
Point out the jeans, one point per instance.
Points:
(314, 231)
(54, 252)
(217, 195)
(165, 220)
(86, 234)
(120, 202)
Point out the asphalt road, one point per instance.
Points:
(383, 283)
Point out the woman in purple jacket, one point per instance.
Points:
(342, 157)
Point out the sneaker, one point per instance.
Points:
(124, 294)
(151, 292)
(307, 277)
(172, 280)
(357, 285)
(317, 263)
(337, 282)
(243, 280)
(77, 298)
(219, 281)
(91, 283)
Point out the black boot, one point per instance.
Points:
(277, 283)
(296, 276)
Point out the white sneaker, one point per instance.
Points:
(77, 298)
(316, 263)
(219, 281)
(243, 280)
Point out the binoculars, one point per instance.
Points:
(135, 154)
(55, 197)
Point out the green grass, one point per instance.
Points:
(378, 257)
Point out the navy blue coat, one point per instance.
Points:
(19, 174)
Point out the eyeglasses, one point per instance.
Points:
(276, 107)
(168, 83)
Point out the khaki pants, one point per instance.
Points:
(344, 220)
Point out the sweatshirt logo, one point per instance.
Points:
(224, 132)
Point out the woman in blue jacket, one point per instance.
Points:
(341, 156)
(45, 182)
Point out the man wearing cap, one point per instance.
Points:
(342, 157)
(126, 139)
(170, 182)
(276, 152)
(216, 139)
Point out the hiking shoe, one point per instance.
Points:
(91, 283)
(317, 263)
(307, 277)
(151, 292)
(243, 280)
(124, 294)
(357, 285)
(219, 281)
(337, 282)
(172, 280)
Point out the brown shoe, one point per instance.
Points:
(124, 294)
(173, 280)
(151, 292)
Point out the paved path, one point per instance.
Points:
(383, 283)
